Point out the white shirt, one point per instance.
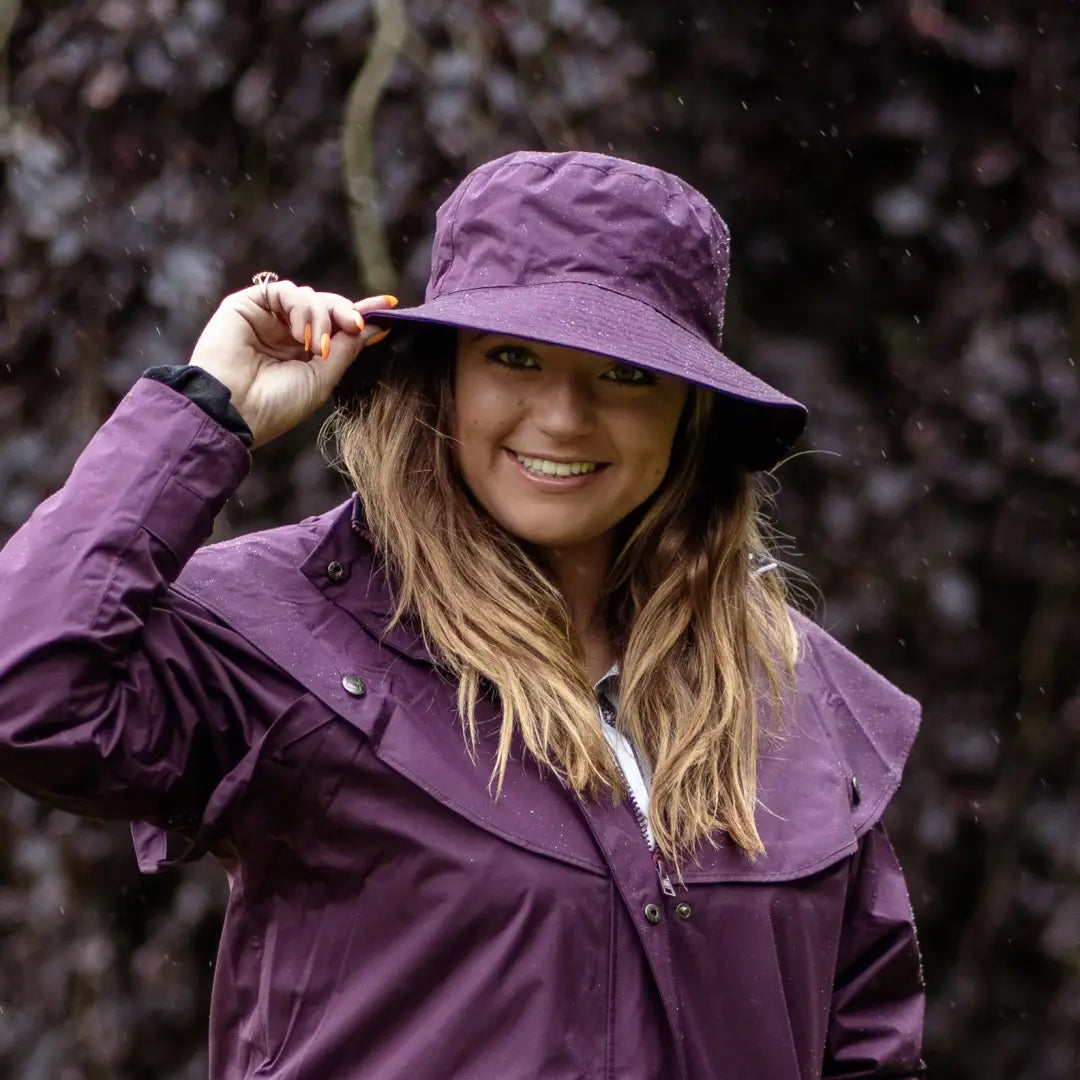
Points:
(634, 770)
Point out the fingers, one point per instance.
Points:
(315, 318)
(351, 333)
(302, 310)
(376, 303)
(372, 335)
(293, 305)
(349, 317)
(345, 316)
(344, 346)
(364, 307)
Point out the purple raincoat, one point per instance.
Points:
(388, 918)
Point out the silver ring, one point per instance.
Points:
(263, 278)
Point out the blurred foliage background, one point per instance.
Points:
(902, 180)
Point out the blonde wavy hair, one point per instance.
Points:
(706, 643)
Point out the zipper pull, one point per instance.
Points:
(665, 882)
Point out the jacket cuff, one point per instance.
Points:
(210, 394)
(171, 467)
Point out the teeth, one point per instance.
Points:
(556, 468)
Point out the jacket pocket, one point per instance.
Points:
(276, 763)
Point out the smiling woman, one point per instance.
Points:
(519, 761)
(538, 585)
(560, 445)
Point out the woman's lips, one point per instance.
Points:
(556, 483)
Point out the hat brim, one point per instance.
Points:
(583, 316)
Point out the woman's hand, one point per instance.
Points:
(282, 364)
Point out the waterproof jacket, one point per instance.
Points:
(388, 918)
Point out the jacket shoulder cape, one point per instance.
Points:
(873, 722)
(384, 907)
(823, 780)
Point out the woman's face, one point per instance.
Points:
(559, 445)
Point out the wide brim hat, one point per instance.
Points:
(604, 255)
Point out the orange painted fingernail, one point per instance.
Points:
(378, 337)
(391, 301)
(325, 346)
(359, 321)
(307, 338)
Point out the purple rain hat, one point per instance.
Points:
(604, 255)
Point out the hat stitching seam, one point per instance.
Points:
(604, 288)
(604, 171)
(607, 170)
(733, 390)
(460, 195)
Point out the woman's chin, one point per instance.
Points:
(549, 534)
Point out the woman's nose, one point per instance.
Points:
(565, 408)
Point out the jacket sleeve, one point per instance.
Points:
(210, 394)
(876, 1014)
(118, 697)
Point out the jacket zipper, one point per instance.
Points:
(661, 872)
(665, 882)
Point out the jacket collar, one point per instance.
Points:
(848, 724)
(346, 568)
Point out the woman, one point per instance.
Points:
(518, 762)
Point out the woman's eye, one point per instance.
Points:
(511, 357)
(628, 374)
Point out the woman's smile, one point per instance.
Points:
(533, 420)
(556, 474)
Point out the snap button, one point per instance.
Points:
(336, 571)
(683, 911)
(354, 685)
(652, 913)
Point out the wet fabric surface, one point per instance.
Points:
(387, 917)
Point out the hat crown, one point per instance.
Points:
(532, 218)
